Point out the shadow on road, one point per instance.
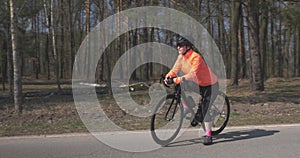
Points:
(244, 134)
(184, 142)
(228, 137)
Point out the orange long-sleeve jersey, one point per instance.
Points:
(194, 68)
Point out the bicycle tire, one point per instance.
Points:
(164, 131)
(220, 114)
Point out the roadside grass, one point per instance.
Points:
(55, 114)
(42, 128)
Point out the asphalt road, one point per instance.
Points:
(271, 141)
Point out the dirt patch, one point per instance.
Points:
(278, 104)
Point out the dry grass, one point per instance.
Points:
(279, 103)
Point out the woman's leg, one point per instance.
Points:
(209, 95)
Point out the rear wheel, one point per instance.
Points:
(166, 120)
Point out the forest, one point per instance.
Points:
(39, 39)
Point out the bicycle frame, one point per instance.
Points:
(179, 97)
(174, 111)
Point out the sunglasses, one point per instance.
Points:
(181, 45)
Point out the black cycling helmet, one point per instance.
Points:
(185, 42)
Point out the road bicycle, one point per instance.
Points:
(168, 115)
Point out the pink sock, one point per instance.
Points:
(208, 133)
(184, 105)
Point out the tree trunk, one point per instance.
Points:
(234, 42)
(16, 62)
(241, 40)
(9, 59)
(54, 50)
(286, 64)
(87, 12)
(88, 46)
(120, 38)
(37, 51)
(279, 46)
(63, 46)
(272, 52)
(256, 80)
(72, 38)
(221, 31)
(263, 35)
(210, 31)
(297, 49)
(9, 64)
(47, 56)
(3, 71)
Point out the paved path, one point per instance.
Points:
(272, 141)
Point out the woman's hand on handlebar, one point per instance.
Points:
(176, 80)
(168, 80)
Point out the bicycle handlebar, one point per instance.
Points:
(170, 80)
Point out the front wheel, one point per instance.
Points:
(166, 120)
(219, 113)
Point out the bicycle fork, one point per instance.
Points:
(173, 111)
